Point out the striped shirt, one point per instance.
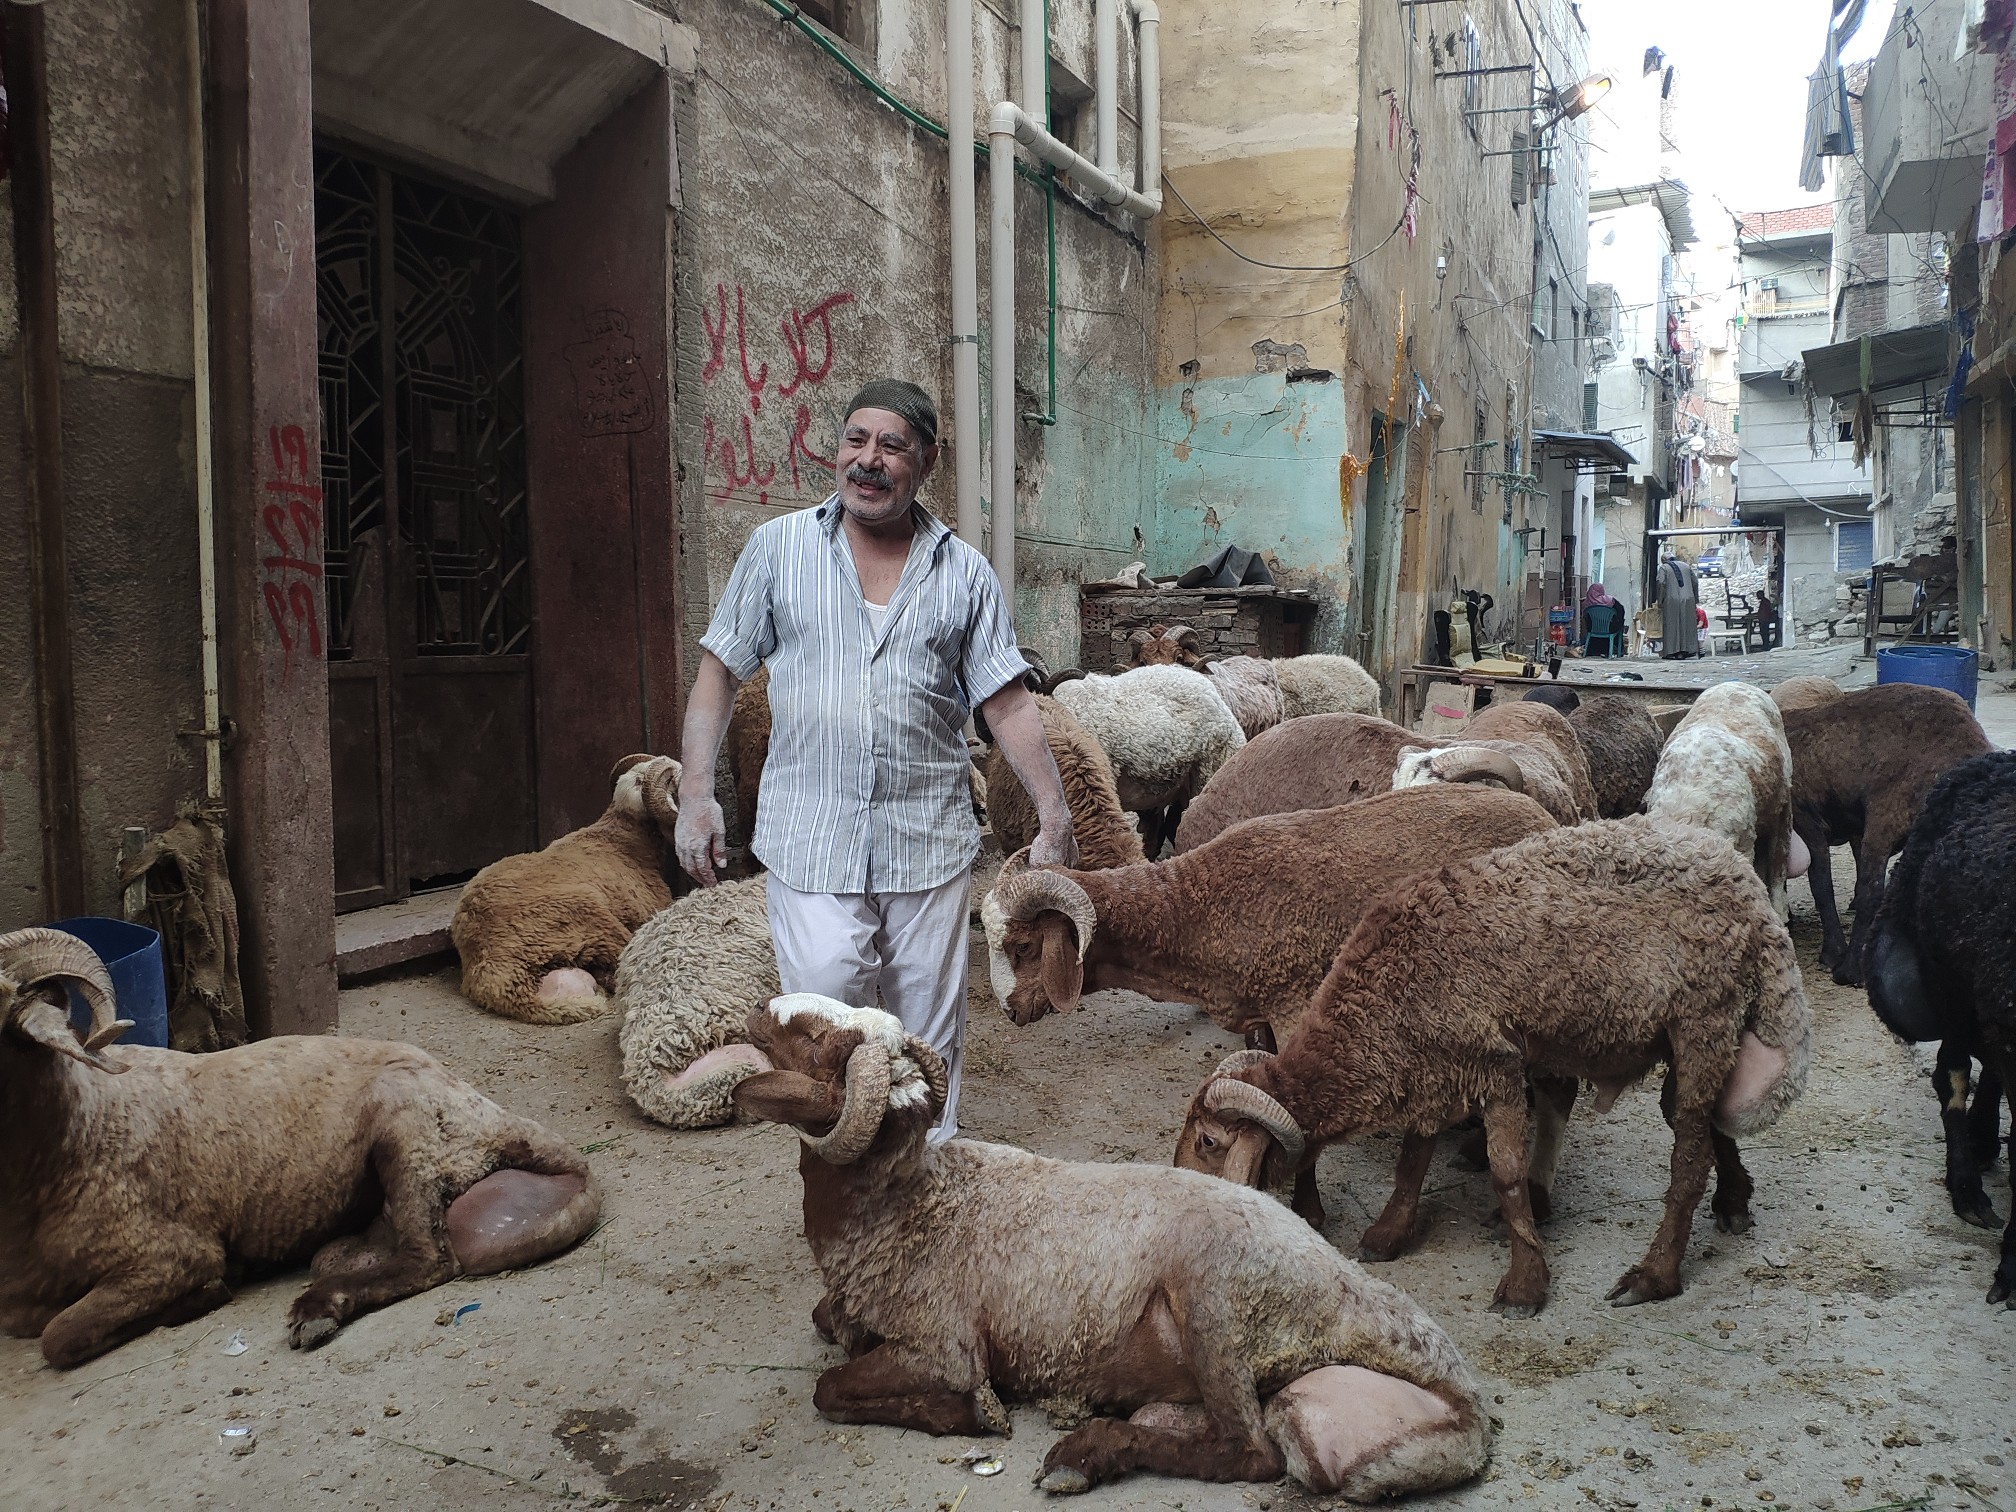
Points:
(866, 786)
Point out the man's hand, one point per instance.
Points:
(1054, 845)
(700, 838)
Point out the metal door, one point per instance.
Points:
(426, 558)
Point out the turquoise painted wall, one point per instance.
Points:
(1252, 462)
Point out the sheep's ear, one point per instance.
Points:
(1062, 973)
(789, 1097)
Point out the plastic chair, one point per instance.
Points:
(1603, 623)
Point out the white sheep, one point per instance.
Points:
(135, 1183)
(684, 987)
(1251, 688)
(1727, 768)
(1166, 731)
(957, 1269)
(539, 934)
(1320, 684)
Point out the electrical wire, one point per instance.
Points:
(1343, 267)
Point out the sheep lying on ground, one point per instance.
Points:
(1727, 768)
(1465, 981)
(684, 986)
(1805, 693)
(1166, 731)
(1861, 766)
(1105, 835)
(958, 1271)
(539, 934)
(1943, 966)
(1245, 927)
(1540, 744)
(135, 1182)
(1619, 738)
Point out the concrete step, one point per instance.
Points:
(406, 933)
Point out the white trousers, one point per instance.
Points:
(907, 947)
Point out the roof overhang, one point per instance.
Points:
(1895, 360)
(1590, 451)
(1670, 195)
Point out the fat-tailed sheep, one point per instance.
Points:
(1465, 981)
(135, 1183)
(964, 1270)
(684, 986)
(1166, 731)
(540, 934)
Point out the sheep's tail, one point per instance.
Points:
(512, 989)
(1775, 1051)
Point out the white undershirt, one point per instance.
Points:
(876, 614)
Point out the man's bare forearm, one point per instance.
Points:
(1018, 729)
(708, 707)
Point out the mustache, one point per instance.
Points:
(875, 477)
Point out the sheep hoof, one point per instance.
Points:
(1734, 1223)
(1636, 1287)
(1516, 1309)
(2001, 1292)
(1981, 1216)
(311, 1333)
(1064, 1481)
(993, 1416)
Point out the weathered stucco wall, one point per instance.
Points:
(817, 219)
(119, 132)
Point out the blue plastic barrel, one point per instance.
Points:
(132, 957)
(1954, 668)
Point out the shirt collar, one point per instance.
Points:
(927, 524)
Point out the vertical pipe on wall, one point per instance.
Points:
(206, 492)
(1001, 320)
(1148, 64)
(965, 270)
(42, 431)
(1036, 59)
(1106, 83)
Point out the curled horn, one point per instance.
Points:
(1239, 1060)
(1058, 679)
(660, 781)
(635, 759)
(932, 1065)
(1185, 636)
(865, 1099)
(1142, 636)
(1478, 764)
(1244, 1100)
(29, 958)
(1023, 894)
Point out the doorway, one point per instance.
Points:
(426, 536)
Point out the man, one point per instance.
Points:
(882, 630)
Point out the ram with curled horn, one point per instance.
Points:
(135, 1193)
(540, 934)
(957, 1273)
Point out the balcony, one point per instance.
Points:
(1925, 124)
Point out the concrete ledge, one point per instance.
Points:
(397, 934)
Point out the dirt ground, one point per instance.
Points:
(1839, 1356)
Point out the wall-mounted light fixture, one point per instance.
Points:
(1579, 100)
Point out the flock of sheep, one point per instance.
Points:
(1409, 932)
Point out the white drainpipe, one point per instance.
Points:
(965, 271)
(1010, 124)
(1106, 85)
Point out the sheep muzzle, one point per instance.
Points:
(32, 962)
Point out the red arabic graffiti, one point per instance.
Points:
(738, 455)
(294, 565)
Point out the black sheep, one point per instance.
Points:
(1942, 965)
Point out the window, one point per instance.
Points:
(849, 20)
(1473, 60)
(1478, 452)
(1844, 431)
(1071, 111)
(1854, 545)
(1589, 407)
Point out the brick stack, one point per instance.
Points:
(1228, 621)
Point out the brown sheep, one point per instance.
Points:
(1105, 835)
(1165, 646)
(1536, 724)
(1464, 982)
(1805, 693)
(1861, 767)
(1245, 927)
(749, 746)
(134, 1183)
(1619, 737)
(1318, 761)
(540, 934)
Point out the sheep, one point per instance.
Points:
(1527, 746)
(1943, 966)
(957, 1272)
(1727, 768)
(1465, 981)
(748, 745)
(1105, 835)
(1861, 766)
(1318, 684)
(1166, 731)
(684, 986)
(1165, 646)
(1315, 762)
(1245, 927)
(134, 1182)
(1805, 693)
(1619, 738)
(1251, 688)
(539, 934)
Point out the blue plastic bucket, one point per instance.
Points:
(132, 957)
(1954, 668)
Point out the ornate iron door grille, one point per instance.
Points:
(426, 534)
